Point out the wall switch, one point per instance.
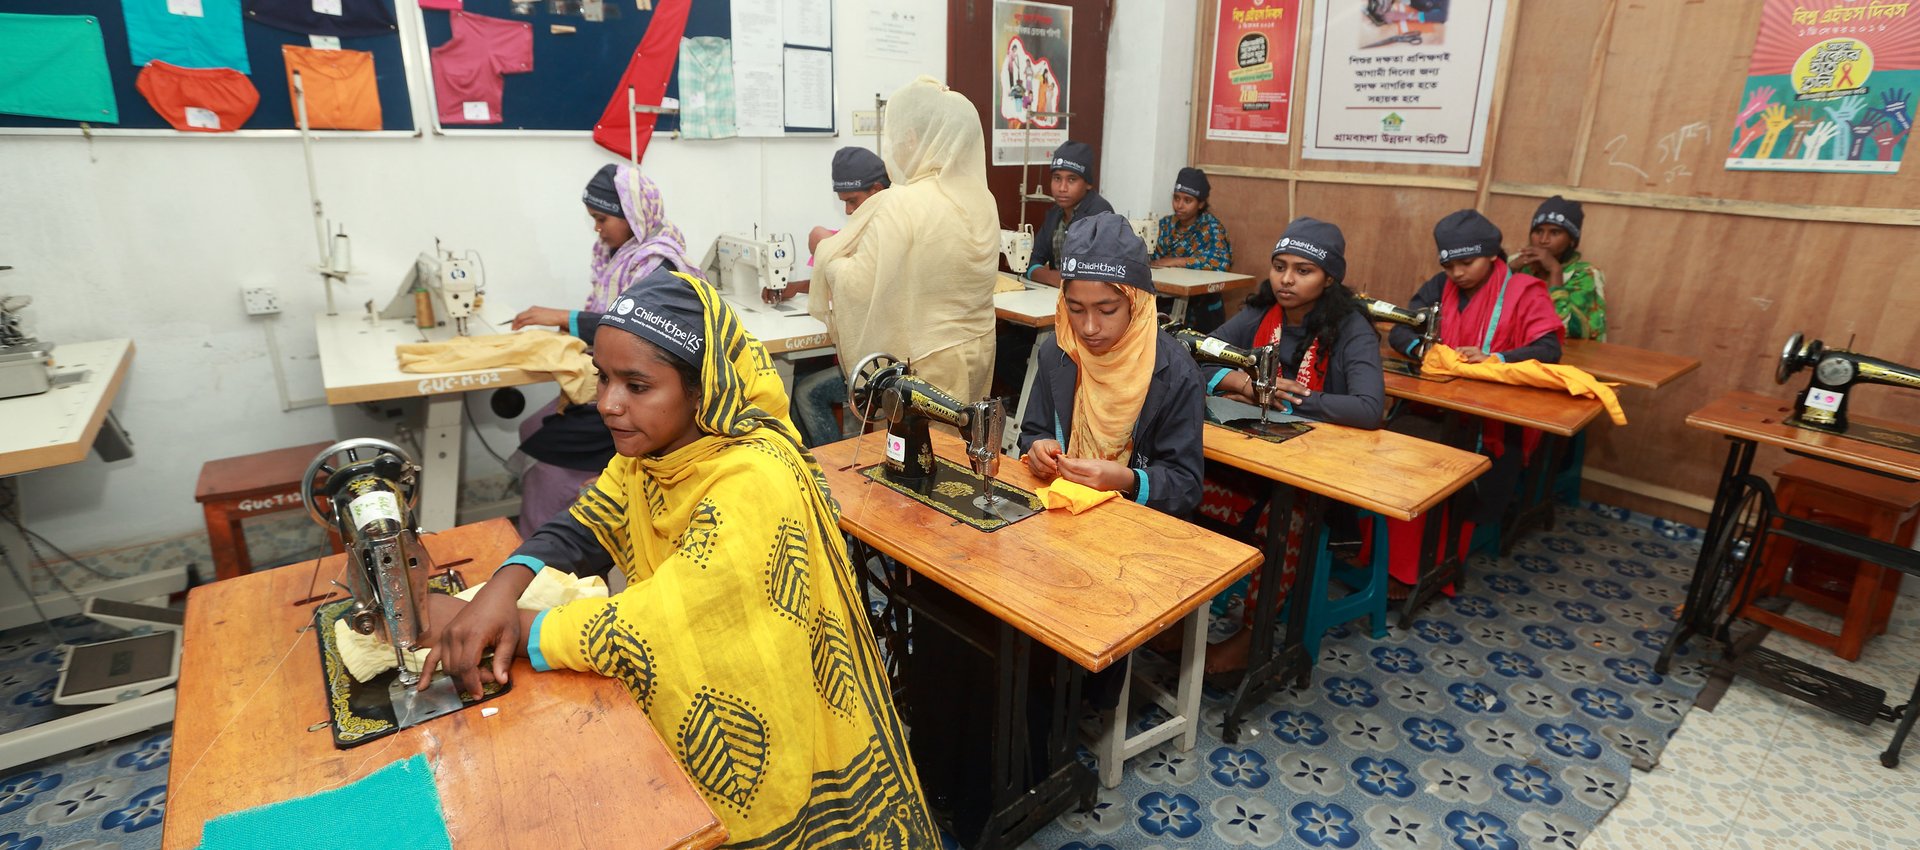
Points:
(866, 123)
(260, 300)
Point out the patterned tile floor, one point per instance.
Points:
(1759, 772)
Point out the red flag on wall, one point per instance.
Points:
(647, 75)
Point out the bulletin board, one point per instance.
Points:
(269, 76)
(576, 73)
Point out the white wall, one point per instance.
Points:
(1149, 94)
(152, 238)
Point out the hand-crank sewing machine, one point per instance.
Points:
(1823, 404)
(1426, 321)
(367, 490)
(1262, 366)
(883, 387)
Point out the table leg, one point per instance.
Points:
(1265, 662)
(1177, 311)
(440, 466)
(1012, 438)
(1536, 492)
(1019, 812)
(783, 366)
(1908, 712)
(1439, 561)
(1193, 665)
(1695, 616)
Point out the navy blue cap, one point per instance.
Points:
(857, 169)
(1104, 247)
(1318, 241)
(664, 310)
(600, 193)
(1073, 156)
(1465, 234)
(1561, 213)
(1193, 182)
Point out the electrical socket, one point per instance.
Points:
(866, 123)
(260, 300)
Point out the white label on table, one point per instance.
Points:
(896, 449)
(474, 110)
(1826, 400)
(185, 8)
(1213, 345)
(327, 7)
(373, 507)
(324, 42)
(457, 383)
(205, 119)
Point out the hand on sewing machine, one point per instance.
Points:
(1097, 474)
(794, 287)
(1471, 354)
(463, 631)
(1043, 459)
(1239, 387)
(544, 316)
(1171, 262)
(1050, 277)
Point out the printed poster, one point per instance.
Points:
(1402, 80)
(1830, 87)
(1253, 52)
(1031, 47)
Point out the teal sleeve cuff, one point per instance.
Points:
(1500, 357)
(528, 561)
(1286, 407)
(573, 322)
(1140, 492)
(1033, 268)
(533, 643)
(1214, 384)
(1411, 346)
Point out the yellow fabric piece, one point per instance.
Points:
(367, 656)
(913, 272)
(1073, 496)
(563, 355)
(1443, 360)
(743, 633)
(1007, 283)
(1113, 386)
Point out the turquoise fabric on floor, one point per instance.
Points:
(55, 66)
(396, 806)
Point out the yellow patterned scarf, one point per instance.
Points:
(1113, 386)
(743, 633)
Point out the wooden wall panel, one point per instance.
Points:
(1698, 260)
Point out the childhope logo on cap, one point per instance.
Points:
(1463, 251)
(1063, 162)
(1290, 245)
(1072, 263)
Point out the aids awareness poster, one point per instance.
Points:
(1402, 80)
(1031, 49)
(1830, 87)
(1253, 50)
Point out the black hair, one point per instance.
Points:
(689, 373)
(1323, 322)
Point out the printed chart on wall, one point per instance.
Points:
(1831, 87)
(1253, 51)
(1402, 80)
(1031, 50)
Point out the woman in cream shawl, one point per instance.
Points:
(913, 272)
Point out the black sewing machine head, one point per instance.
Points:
(1823, 404)
(883, 387)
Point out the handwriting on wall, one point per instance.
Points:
(1669, 150)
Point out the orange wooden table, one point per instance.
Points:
(569, 760)
(1624, 364)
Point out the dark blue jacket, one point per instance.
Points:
(1166, 437)
(1354, 392)
(1043, 256)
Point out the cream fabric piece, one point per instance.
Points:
(367, 656)
(913, 272)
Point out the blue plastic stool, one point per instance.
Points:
(1368, 597)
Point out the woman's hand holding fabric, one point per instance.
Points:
(1097, 474)
(541, 316)
(461, 635)
(1043, 459)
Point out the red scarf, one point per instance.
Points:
(1518, 309)
(1309, 374)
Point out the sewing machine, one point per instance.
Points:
(1426, 321)
(1017, 247)
(452, 287)
(1823, 404)
(367, 490)
(1262, 366)
(1148, 229)
(742, 264)
(26, 364)
(882, 387)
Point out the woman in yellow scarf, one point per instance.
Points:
(742, 632)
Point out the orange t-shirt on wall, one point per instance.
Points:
(342, 93)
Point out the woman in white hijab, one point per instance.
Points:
(912, 273)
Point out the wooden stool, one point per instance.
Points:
(1861, 593)
(235, 488)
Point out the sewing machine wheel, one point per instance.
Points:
(862, 396)
(313, 485)
(1793, 355)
